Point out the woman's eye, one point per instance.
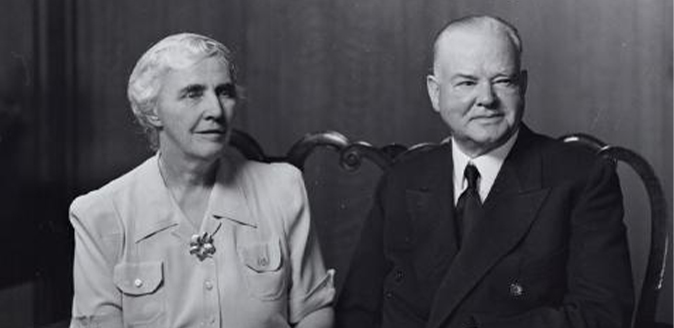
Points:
(228, 91)
(193, 94)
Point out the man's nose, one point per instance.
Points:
(485, 95)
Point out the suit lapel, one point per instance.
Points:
(509, 210)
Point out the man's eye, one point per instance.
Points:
(505, 82)
(466, 83)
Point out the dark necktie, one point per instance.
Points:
(469, 204)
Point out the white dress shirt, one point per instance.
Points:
(488, 165)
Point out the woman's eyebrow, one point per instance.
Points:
(192, 88)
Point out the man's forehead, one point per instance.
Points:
(472, 35)
(464, 46)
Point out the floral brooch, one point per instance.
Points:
(202, 245)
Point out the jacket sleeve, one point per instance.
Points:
(360, 303)
(599, 279)
(312, 286)
(97, 301)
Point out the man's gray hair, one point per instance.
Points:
(173, 52)
(482, 21)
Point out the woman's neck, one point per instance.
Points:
(190, 184)
(182, 171)
(188, 174)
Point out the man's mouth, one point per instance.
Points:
(488, 117)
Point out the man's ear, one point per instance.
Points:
(433, 87)
(524, 82)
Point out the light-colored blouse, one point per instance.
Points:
(133, 266)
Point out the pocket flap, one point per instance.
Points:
(261, 257)
(138, 278)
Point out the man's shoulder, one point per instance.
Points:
(563, 161)
(421, 159)
(556, 152)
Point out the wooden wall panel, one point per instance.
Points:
(110, 37)
(600, 66)
(17, 146)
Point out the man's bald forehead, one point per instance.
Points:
(482, 24)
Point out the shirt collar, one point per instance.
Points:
(228, 198)
(154, 209)
(151, 209)
(488, 164)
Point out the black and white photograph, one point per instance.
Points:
(336, 164)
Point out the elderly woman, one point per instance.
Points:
(191, 237)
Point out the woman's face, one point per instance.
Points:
(194, 110)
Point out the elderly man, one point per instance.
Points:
(192, 237)
(500, 226)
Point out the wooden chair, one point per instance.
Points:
(660, 222)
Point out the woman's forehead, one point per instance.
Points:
(208, 71)
(177, 58)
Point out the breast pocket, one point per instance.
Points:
(141, 287)
(263, 269)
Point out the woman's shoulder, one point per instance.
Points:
(101, 199)
(276, 174)
(279, 184)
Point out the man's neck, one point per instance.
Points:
(473, 149)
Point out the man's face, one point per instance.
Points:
(478, 88)
(194, 110)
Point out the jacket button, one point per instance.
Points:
(388, 295)
(399, 275)
(138, 283)
(516, 289)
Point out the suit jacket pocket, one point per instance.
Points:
(263, 269)
(141, 286)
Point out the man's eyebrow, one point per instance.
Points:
(463, 76)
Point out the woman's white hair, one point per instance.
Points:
(173, 52)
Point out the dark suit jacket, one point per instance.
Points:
(549, 250)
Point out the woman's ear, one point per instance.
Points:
(154, 119)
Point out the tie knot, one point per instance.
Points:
(471, 174)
